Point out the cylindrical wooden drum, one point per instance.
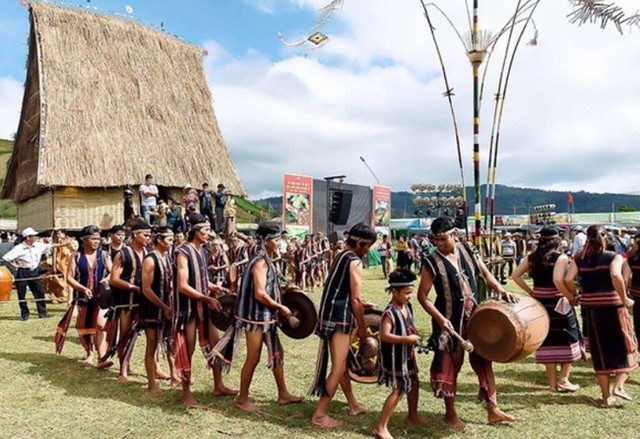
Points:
(505, 332)
(6, 284)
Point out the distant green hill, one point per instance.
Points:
(510, 200)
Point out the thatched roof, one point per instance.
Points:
(108, 101)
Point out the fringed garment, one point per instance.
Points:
(151, 316)
(335, 314)
(564, 341)
(188, 309)
(456, 298)
(237, 254)
(124, 301)
(398, 365)
(219, 275)
(86, 324)
(251, 315)
(612, 342)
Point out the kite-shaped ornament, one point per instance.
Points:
(318, 38)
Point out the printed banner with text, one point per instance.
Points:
(297, 204)
(381, 209)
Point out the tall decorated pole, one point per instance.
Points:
(476, 56)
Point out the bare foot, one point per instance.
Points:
(175, 382)
(455, 423)
(567, 387)
(416, 420)
(381, 433)
(247, 406)
(88, 360)
(622, 394)
(160, 375)
(154, 389)
(497, 416)
(189, 400)
(224, 391)
(608, 402)
(104, 364)
(123, 378)
(325, 422)
(289, 399)
(358, 410)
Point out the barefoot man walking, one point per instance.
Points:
(453, 270)
(257, 309)
(341, 304)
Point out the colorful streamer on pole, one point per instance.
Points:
(476, 59)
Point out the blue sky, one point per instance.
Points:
(237, 25)
(375, 90)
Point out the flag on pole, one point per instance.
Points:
(569, 198)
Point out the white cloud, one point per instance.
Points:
(10, 101)
(570, 122)
(266, 6)
(571, 115)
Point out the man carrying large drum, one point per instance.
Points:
(453, 270)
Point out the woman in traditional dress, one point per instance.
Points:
(547, 267)
(631, 270)
(86, 270)
(612, 342)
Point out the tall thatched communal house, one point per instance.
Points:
(107, 101)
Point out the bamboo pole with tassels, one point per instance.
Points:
(449, 94)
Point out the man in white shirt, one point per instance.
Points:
(25, 258)
(283, 249)
(148, 194)
(509, 251)
(579, 240)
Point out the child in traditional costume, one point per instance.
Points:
(398, 365)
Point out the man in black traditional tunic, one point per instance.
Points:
(340, 305)
(453, 270)
(195, 299)
(156, 310)
(257, 310)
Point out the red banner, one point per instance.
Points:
(381, 207)
(297, 204)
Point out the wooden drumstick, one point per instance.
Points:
(293, 321)
(466, 344)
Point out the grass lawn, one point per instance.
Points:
(45, 395)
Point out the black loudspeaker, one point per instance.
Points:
(340, 207)
(461, 218)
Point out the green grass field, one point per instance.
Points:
(45, 395)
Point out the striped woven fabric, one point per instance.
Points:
(600, 299)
